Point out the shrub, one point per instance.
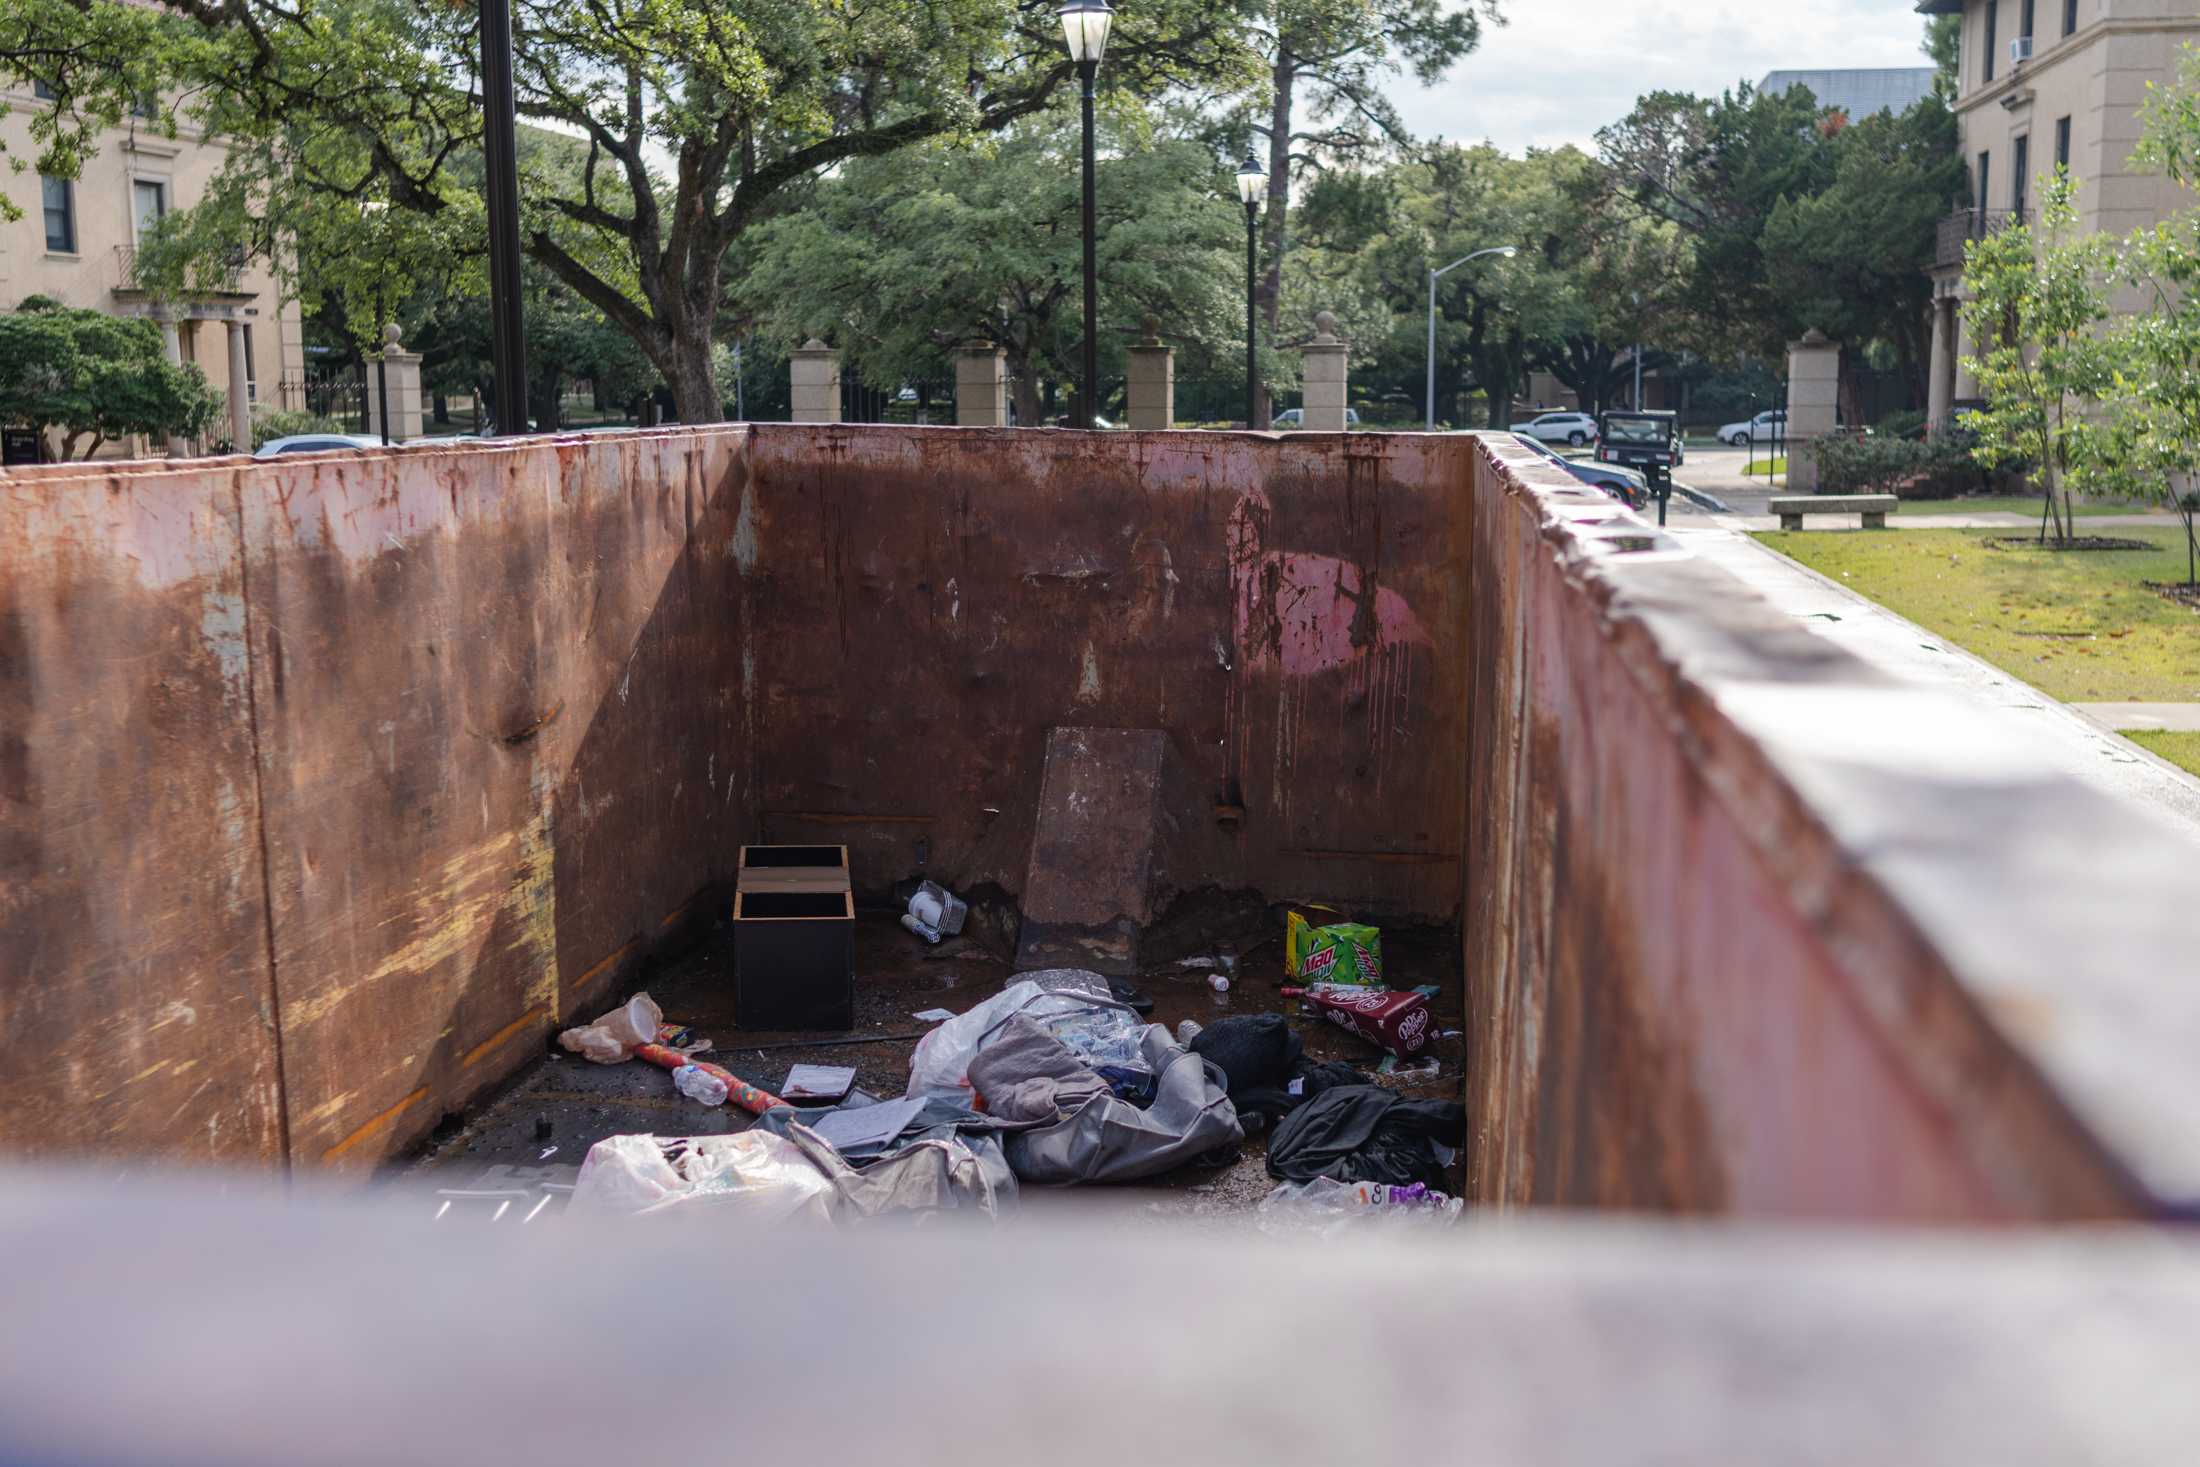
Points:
(267, 427)
(1937, 468)
(1909, 423)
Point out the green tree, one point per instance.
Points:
(902, 259)
(1718, 169)
(94, 378)
(2038, 304)
(1943, 46)
(1329, 64)
(700, 119)
(1851, 259)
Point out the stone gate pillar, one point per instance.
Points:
(1814, 397)
(1324, 378)
(815, 371)
(1152, 382)
(981, 386)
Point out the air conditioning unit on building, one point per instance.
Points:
(2020, 50)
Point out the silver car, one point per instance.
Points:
(1576, 430)
(315, 443)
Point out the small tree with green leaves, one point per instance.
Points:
(94, 378)
(2046, 363)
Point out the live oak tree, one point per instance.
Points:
(905, 257)
(699, 118)
(91, 378)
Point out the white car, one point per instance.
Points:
(314, 443)
(1290, 418)
(1577, 430)
(1763, 428)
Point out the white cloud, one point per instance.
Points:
(1560, 69)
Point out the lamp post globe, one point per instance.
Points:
(1085, 26)
(1252, 187)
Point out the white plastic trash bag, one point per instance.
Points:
(611, 1039)
(758, 1176)
(1069, 1004)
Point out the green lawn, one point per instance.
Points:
(2010, 504)
(2181, 749)
(2078, 625)
(1769, 467)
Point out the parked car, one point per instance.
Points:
(1624, 485)
(1290, 418)
(315, 443)
(1576, 430)
(1763, 428)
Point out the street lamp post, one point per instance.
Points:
(1508, 251)
(1085, 26)
(500, 158)
(1252, 184)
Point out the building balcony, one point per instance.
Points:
(1960, 228)
(229, 281)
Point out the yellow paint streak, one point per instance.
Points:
(677, 913)
(535, 894)
(580, 984)
(379, 1124)
(148, 1072)
(489, 1044)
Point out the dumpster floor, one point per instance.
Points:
(526, 1142)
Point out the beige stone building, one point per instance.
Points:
(77, 242)
(2046, 82)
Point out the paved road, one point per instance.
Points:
(2144, 717)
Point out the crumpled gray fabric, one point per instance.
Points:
(940, 1121)
(946, 1175)
(1111, 1140)
(1027, 1077)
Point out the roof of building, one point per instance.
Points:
(1861, 92)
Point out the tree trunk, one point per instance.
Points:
(1024, 386)
(1501, 406)
(1275, 227)
(694, 377)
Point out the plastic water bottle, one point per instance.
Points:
(699, 1084)
(921, 927)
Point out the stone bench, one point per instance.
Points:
(1873, 507)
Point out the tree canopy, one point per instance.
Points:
(93, 378)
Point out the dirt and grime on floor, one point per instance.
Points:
(528, 1140)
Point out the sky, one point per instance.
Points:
(1560, 69)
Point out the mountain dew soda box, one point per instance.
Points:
(1344, 952)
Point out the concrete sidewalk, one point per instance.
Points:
(2066, 739)
(2144, 717)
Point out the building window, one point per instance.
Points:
(2070, 16)
(1993, 39)
(2024, 22)
(2020, 165)
(1985, 180)
(2062, 143)
(148, 204)
(251, 370)
(41, 91)
(60, 200)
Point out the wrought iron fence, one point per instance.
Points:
(327, 392)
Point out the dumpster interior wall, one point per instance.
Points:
(328, 788)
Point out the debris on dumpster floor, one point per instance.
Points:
(935, 913)
(1343, 952)
(818, 1082)
(1330, 1207)
(612, 1039)
(1398, 1022)
(1364, 1133)
(1187, 1134)
(699, 1085)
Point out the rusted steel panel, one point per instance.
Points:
(135, 1015)
(1090, 891)
(1288, 610)
(1691, 987)
(495, 692)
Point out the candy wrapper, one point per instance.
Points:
(1399, 1022)
(1342, 953)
